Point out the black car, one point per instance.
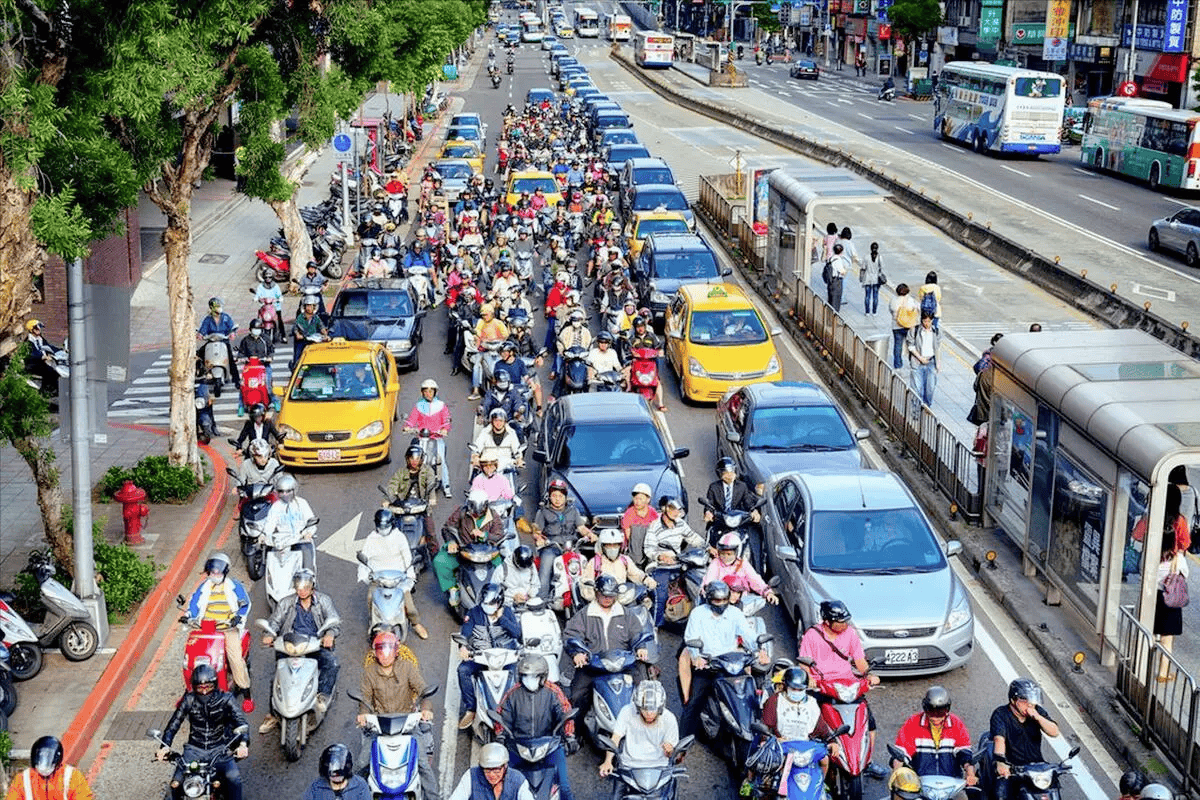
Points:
(380, 310)
(602, 445)
(805, 69)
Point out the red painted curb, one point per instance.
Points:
(78, 737)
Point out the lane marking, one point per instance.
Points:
(1087, 172)
(865, 116)
(1183, 203)
(955, 148)
(916, 116)
(905, 130)
(1010, 169)
(1098, 202)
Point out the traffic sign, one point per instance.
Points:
(343, 143)
(1128, 89)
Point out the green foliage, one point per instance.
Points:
(126, 577)
(5, 750)
(912, 18)
(768, 20)
(26, 415)
(163, 482)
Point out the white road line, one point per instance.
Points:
(1010, 169)
(905, 130)
(915, 116)
(450, 732)
(865, 116)
(955, 148)
(1098, 202)
(784, 92)
(1183, 203)
(1083, 171)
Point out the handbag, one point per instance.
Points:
(1175, 589)
(882, 279)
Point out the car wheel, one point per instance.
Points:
(1152, 240)
(1192, 255)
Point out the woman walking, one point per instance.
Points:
(871, 277)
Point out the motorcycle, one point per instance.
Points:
(491, 684)
(737, 521)
(8, 690)
(67, 624)
(510, 66)
(59, 360)
(410, 521)
(939, 787)
(532, 756)
(392, 771)
(574, 378)
(271, 319)
(788, 769)
(254, 383)
(476, 568)
(294, 689)
(386, 604)
(278, 264)
(206, 423)
(685, 581)
(428, 444)
(643, 372)
(284, 557)
(496, 80)
(206, 644)
(540, 633)
(199, 777)
(254, 501)
(566, 573)
(650, 783)
(215, 361)
(843, 703)
(733, 703)
(1037, 781)
(887, 93)
(612, 688)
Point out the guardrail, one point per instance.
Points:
(1166, 711)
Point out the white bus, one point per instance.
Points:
(531, 28)
(1006, 109)
(587, 23)
(619, 27)
(653, 49)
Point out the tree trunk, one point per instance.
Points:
(21, 259)
(177, 244)
(296, 232)
(40, 459)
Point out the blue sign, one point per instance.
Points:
(1149, 37)
(1173, 41)
(343, 143)
(881, 8)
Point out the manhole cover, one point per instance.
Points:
(213, 258)
(128, 726)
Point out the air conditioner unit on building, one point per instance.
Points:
(966, 21)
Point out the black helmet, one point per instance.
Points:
(258, 411)
(217, 562)
(415, 451)
(795, 678)
(503, 381)
(384, 519)
(716, 591)
(605, 336)
(337, 763)
(936, 700)
(1024, 689)
(607, 586)
(523, 556)
(1131, 783)
(491, 593)
(726, 464)
(46, 755)
(834, 611)
(203, 674)
(639, 320)
(509, 346)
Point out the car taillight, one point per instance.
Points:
(1191, 168)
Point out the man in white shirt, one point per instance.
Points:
(603, 358)
(922, 346)
(646, 732)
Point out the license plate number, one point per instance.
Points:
(907, 655)
(331, 455)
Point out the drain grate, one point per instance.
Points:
(214, 258)
(129, 726)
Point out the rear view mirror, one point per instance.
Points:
(539, 456)
(681, 452)
(953, 547)
(788, 554)
(862, 433)
(733, 436)
(726, 272)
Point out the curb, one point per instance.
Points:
(78, 737)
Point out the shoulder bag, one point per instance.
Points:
(1175, 589)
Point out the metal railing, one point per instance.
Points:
(1165, 711)
(721, 212)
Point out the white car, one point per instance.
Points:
(549, 42)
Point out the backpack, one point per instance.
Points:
(906, 315)
(929, 303)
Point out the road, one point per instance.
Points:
(348, 499)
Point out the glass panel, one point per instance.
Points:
(1045, 447)
(1142, 371)
(1079, 514)
(1133, 494)
(1010, 458)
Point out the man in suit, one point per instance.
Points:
(730, 493)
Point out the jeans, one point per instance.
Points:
(702, 684)
(424, 736)
(661, 578)
(227, 772)
(871, 298)
(898, 337)
(924, 380)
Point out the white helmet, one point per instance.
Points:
(611, 536)
(642, 488)
(477, 501)
(429, 383)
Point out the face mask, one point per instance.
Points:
(531, 682)
(719, 609)
(215, 579)
(576, 323)
(795, 695)
(490, 608)
(255, 332)
(611, 553)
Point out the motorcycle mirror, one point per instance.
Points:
(1074, 752)
(898, 754)
(774, 582)
(695, 644)
(458, 638)
(362, 558)
(534, 642)
(681, 452)
(241, 730)
(180, 600)
(806, 661)
(265, 625)
(430, 691)
(765, 637)
(761, 729)
(154, 733)
(231, 472)
(840, 731)
(605, 742)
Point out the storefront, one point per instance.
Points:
(1091, 72)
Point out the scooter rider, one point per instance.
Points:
(558, 523)
(253, 345)
(225, 601)
(495, 484)
(267, 289)
(730, 493)
(492, 779)
(260, 467)
(337, 781)
(499, 435)
(610, 560)
(40, 351)
(517, 372)
(640, 337)
(718, 628)
(838, 654)
(666, 537)
(416, 481)
(533, 708)
(386, 548)
(394, 686)
(212, 716)
(728, 564)
(490, 624)
(257, 428)
(792, 713)
(487, 329)
(1131, 784)
(471, 522)
(432, 414)
(47, 777)
(937, 742)
(307, 323)
(647, 727)
(520, 576)
(291, 513)
(305, 612)
(1016, 729)
(217, 321)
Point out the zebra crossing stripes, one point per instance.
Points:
(147, 399)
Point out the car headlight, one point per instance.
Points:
(694, 368)
(374, 429)
(289, 433)
(401, 344)
(659, 297)
(773, 364)
(960, 610)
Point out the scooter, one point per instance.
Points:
(294, 690)
(574, 378)
(254, 501)
(392, 770)
(206, 644)
(199, 777)
(685, 582)
(206, 423)
(67, 623)
(491, 684)
(843, 703)
(887, 93)
(8, 690)
(732, 705)
(428, 443)
(786, 768)
(1031, 781)
(643, 372)
(216, 361)
(649, 783)
(278, 264)
(496, 80)
(938, 787)
(566, 574)
(284, 557)
(59, 360)
(476, 568)
(532, 756)
(386, 604)
(642, 609)
(409, 519)
(271, 319)
(254, 383)
(612, 688)
(540, 633)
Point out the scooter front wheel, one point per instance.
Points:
(291, 739)
(25, 659)
(256, 564)
(79, 641)
(8, 698)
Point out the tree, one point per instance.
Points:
(911, 19)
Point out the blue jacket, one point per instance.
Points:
(199, 601)
(481, 632)
(223, 325)
(356, 789)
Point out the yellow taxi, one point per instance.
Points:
(717, 340)
(566, 32)
(339, 405)
(467, 151)
(529, 181)
(644, 223)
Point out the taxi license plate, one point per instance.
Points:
(336, 455)
(907, 655)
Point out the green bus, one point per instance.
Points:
(1145, 139)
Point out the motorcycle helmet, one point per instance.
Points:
(217, 562)
(936, 701)
(670, 501)
(498, 413)
(304, 578)
(491, 597)
(203, 675)
(650, 696)
(716, 595)
(834, 611)
(493, 755)
(611, 536)
(1156, 791)
(532, 670)
(337, 763)
(556, 485)
(724, 465)
(576, 317)
(256, 327)
(1131, 784)
(414, 451)
(384, 642)
(641, 488)
(795, 678)
(503, 381)
(258, 412)
(767, 758)
(46, 755)
(905, 784)
(477, 502)
(729, 541)
(523, 556)
(33, 326)
(259, 447)
(385, 520)
(1025, 689)
(639, 322)
(507, 347)
(605, 337)
(490, 455)
(285, 488)
(429, 383)
(216, 304)
(310, 301)
(607, 586)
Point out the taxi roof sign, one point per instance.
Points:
(718, 291)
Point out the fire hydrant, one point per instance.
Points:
(134, 511)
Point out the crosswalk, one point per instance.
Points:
(147, 400)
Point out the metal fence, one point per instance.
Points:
(1165, 711)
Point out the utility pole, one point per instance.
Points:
(1132, 63)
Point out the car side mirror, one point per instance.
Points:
(540, 456)
(726, 272)
(776, 330)
(681, 452)
(862, 433)
(733, 436)
(788, 553)
(953, 548)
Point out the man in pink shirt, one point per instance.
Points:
(838, 654)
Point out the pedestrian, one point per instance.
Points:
(871, 277)
(906, 314)
(922, 344)
(984, 376)
(831, 237)
(1168, 620)
(929, 298)
(846, 238)
(1189, 506)
(837, 275)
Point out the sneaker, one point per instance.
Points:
(875, 771)
(322, 703)
(449, 495)
(248, 706)
(474, 395)
(466, 720)
(269, 724)
(419, 630)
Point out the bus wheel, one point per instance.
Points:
(981, 143)
(1155, 176)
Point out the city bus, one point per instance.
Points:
(653, 49)
(619, 27)
(1145, 139)
(1006, 109)
(587, 23)
(531, 28)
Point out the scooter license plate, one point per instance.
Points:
(898, 656)
(329, 455)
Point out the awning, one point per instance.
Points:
(1172, 67)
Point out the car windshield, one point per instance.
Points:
(803, 428)
(611, 445)
(883, 541)
(454, 170)
(465, 132)
(728, 327)
(614, 121)
(624, 152)
(653, 175)
(620, 136)
(692, 264)
(530, 185)
(672, 201)
(324, 383)
(649, 226)
(538, 95)
(460, 151)
(375, 305)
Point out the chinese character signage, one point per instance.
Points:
(1058, 18)
(991, 19)
(1173, 39)
(1149, 37)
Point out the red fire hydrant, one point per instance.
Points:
(134, 511)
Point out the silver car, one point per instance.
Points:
(859, 536)
(455, 173)
(1179, 232)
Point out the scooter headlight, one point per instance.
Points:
(1042, 778)
(802, 758)
(847, 692)
(193, 786)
